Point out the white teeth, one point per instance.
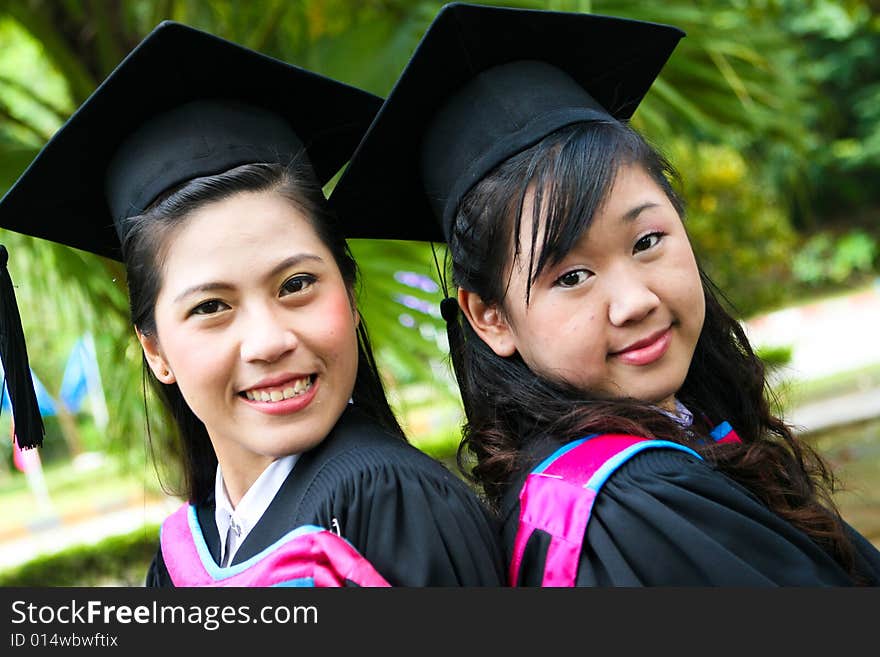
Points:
(301, 386)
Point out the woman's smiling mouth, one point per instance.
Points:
(286, 390)
(281, 397)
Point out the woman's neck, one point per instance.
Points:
(240, 474)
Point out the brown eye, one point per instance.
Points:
(647, 242)
(572, 278)
(209, 307)
(296, 284)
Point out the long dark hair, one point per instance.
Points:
(513, 413)
(144, 247)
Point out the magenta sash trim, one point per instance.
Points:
(572, 506)
(306, 556)
(556, 500)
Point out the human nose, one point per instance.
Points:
(631, 299)
(265, 335)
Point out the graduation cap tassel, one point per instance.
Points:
(29, 428)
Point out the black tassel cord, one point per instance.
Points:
(29, 430)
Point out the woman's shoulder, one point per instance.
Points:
(666, 516)
(650, 473)
(633, 461)
(675, 483)
(653, 474)
(665, 466)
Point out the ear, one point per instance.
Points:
(488, 322)
(155, 358)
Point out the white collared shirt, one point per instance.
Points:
(253, 504)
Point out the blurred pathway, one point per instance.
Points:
(62, 532)
(830, 336)
(840, 334)
(835, 411)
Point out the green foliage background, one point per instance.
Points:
(115, 561)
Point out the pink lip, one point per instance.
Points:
(276, 381)
(647, 351)
(284, 406)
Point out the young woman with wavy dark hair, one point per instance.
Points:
(586, 313)
(616, 416)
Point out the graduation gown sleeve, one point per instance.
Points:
(667, 518)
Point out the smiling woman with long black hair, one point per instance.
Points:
(200, 164)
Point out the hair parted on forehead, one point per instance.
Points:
(147, 235)
(570, 172)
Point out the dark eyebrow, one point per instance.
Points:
(632, 214)
(204, 287)
(293, 261)
(287, 263)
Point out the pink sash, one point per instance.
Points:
(306, 556)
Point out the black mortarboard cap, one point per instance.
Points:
(183, 104)
(136, 136)
(483, 84)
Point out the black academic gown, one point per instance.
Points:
(409, 516)
(667, 518)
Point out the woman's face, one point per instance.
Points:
(620, 315)
(256, 326)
